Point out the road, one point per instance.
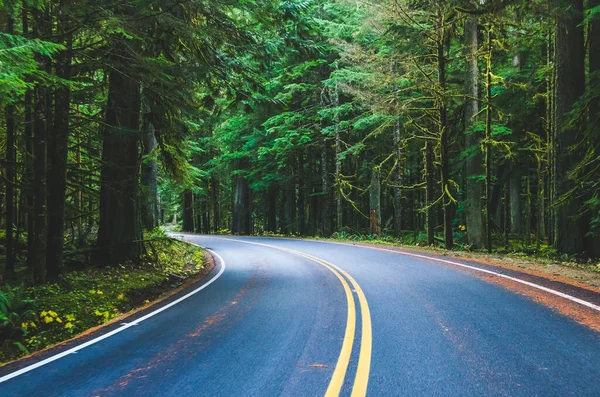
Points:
(304, 318)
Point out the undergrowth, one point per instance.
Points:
(35, 317)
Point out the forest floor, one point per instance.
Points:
(84, 299)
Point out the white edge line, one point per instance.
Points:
(530, 284)
(115, 331)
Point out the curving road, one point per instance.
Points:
(303, 318)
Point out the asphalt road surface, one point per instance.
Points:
(304, 318)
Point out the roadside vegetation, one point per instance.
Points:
(33, 317)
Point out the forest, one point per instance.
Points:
(461, 124)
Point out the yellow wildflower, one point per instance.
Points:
(120, 297)
(33, 324)
(52, 313)
(24, 325)
(43, 314)
(106, 314)
(48, 319)
(99, 292)
(58, 320)
(68, 326)
(70, 317)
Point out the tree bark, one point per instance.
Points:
(241, 202)
(149, 179)
(326, 216)
(58, 146)
(28, 176)
(593, 239)
(301, 202)
(375, 202)
(188, 211)
(40, 170)
(569, 86)
(205, 216)
(398, 181)
(120, 232)
(516, 213)
(444, 132)
(488, 139)
(9, 267)
(214, 190)
(338, 166)
(474, 218)
(272, 208)
(429, 193)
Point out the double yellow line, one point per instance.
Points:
(361, 379)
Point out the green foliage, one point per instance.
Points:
(36, 317)
(14, 308)
(18, 63)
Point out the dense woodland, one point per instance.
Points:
(460, 123)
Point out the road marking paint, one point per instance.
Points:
(361, 380)
(359, 388)
(528, 283)
(77, 348)
(341, 367)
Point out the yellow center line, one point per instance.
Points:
(361, 380)
(339, 374)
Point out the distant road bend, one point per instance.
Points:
(305, 318)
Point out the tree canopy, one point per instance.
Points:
(456, 123)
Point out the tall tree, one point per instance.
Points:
(119, 233)
(569, 86)
(58, 142)
(475, 228)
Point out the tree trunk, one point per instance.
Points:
(550, 137)
(58, 147)
(301, 203)
(488, 140)
(474, 219)
(214, 190)
(326, 216)
(540, 230)
(569, 85)
(516, 224)
(398, 181)
(188, 211)
(28, 177)
(593, 240)
(205, 211)
(444, 132)
(149, 179)
(40, 171)
(375, 202)
(272, 208)
(429, 193)
(338, 167)
(9, 269)
(241, 203)
(120, 232)
(528, 220)
(506, 217)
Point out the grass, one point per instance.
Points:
(35, 317)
